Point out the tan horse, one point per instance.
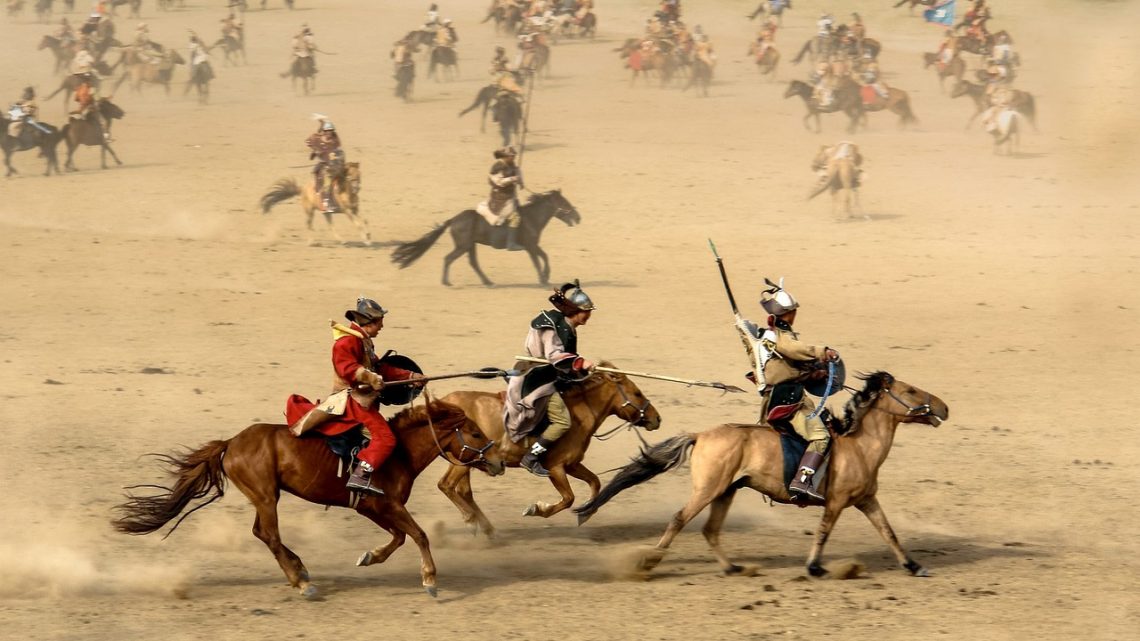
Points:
(841, 180)
(733, 456)
(766, 62)
(346, 195)
(139, 71)
(590, 403)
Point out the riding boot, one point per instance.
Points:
(513, 239)
(361, 479)
(801, 486)
(531, 461)
(327, 202)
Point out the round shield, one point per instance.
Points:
(819, 387)
(400, 394)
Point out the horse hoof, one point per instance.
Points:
(309, 592)
(915, 569)
(816, 570)
(531, 511)
(432, 591)
(365, 559)
(582, 518)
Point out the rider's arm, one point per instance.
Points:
(554, 352)
(797, 350)
(347, 354)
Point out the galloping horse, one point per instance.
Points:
(846, 100)
(72, 81)
(841, 179)
(262, 460)
(444, 57)
(345, 192)
(486, 98)
(233, 48)
(89, 131)
(897, 101)
(30, 138)
(766, 62)
(139, 71)
(732, 456)
(956, 68)
(1021, 101)
(63, 55)
(589, 402)
(469, 228)
(200, 76)
(701, 77)
(405, 80)
(306, 70)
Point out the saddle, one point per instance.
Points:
(344, 445)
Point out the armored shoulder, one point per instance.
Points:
(549, 319)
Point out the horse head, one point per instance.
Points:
(110, 110)
(563, 210)
(882, 391)
(632, 405)
(453, 436)
(798, 88)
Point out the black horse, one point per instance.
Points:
(486, 97)
(30, 138)
(405, 80)
(701, 77)
(846, 98)
(507, 111)
(89, 131)
(444, 57)
(469, 228)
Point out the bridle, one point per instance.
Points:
(627, 401)
(915, 411)
(480, 452)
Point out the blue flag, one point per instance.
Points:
(941, 13)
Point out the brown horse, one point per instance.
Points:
(63, 55)
(767, 62)
(346, 195)
(590, 403)
(642, 62)
(897, 101)
(89, 131)
(262, 460)
(1021, 101)
(955, 69)
(846, 99)
(733, 456)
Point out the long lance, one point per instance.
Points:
(745, 338)
(657, 377)
(532, 76)
(486, 372)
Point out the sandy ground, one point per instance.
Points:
(1005, 285)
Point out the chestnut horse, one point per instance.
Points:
(345, 191)
(262, 460)
(955, 69)
(896, 102)
(733, 456)
(589, 403)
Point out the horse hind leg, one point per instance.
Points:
(265, 528)
(708, 485)
(717, 514)
(562, 485)
(474, 260)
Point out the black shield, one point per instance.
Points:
(399, 394)
(819, 387)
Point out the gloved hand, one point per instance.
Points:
(369, 378)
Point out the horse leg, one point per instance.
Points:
(562, 484)
(361, 225)
(831, 512)
(8, 162)
(463, 488)
(265, 528)
(533, 253)
(704, 492)
(582, 473)
(874, 512)
(449, 484)
(398, 516)
(717, 513)
(474, 260)
(381, 554)
(450, 258)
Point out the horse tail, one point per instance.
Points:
(200, 476)
(282, 190)
(652, 461)
(800, 56)
(407, 253)
(1029, 110)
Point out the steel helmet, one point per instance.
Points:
(326, 125)
(776, 300)
(367, 311)
(570, 298)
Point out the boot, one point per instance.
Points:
(801, 485)
(531, 460)
(327, 204)
(513, 239)
(361, 479)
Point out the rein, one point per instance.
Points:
(627, 402)
(481, 453)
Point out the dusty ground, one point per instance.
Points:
(1005, 285)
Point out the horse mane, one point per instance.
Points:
(418, 414)
(860, 402)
